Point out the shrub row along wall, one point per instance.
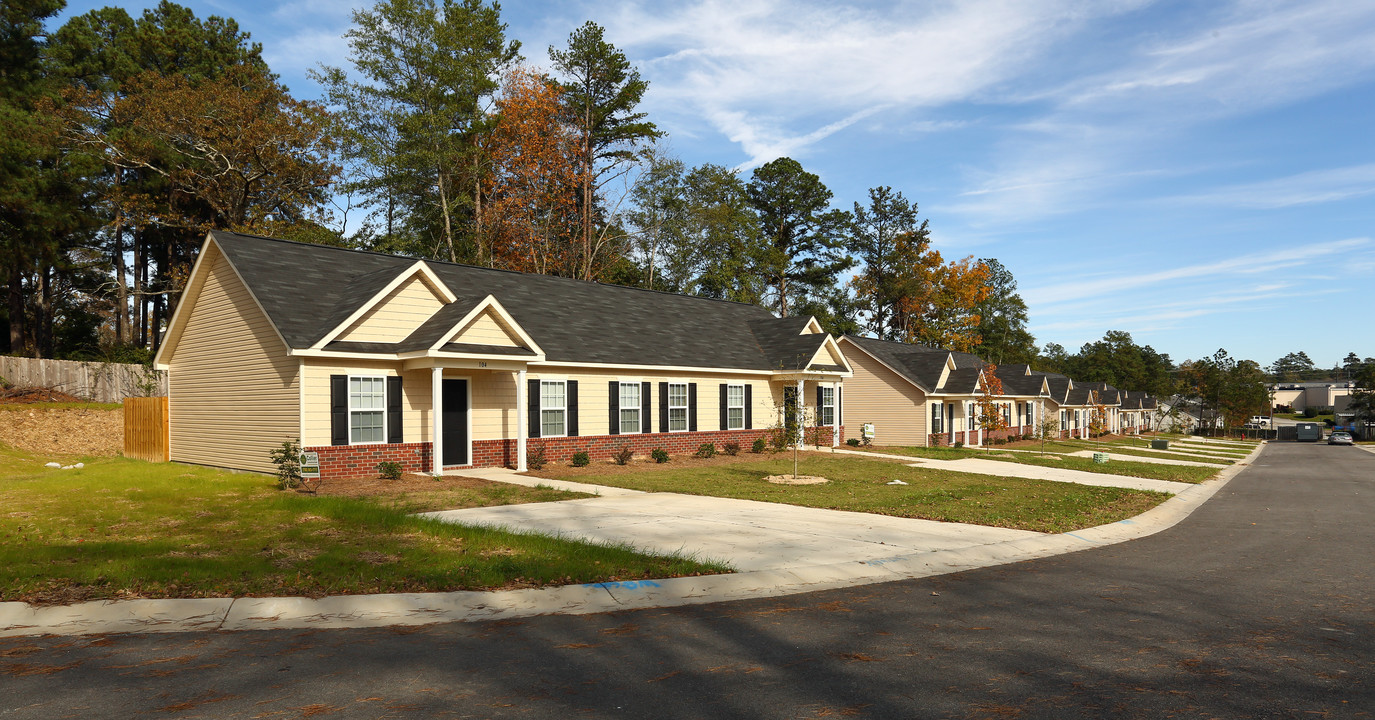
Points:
(94, 381)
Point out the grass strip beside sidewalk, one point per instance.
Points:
(860, 485)
(1153, 471)
(123, 528)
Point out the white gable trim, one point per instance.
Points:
(490, 303)
(421, 268)
(820, 353)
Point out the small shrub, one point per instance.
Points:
(705, 450)
(389, 470)
(622, 456)
(999, 441)
(287, 458)
(779, 440)
(660, 455)
(581, 459)
(852, 442)
(758, 445)
(732, 449)
(534, 458)
(959, 443)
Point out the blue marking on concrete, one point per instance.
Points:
(627, 585)
(1082, 538)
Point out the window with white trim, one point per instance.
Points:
(553, 410)
(1064, 419)
(828, 406)
(367, 409)
(937, 418)
(630, 408)
(735, 407)
(677, 407)
(972, 416)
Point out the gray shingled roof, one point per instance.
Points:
(919, 364)
(307, 290)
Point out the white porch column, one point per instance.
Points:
(521, 429)
(437, 420)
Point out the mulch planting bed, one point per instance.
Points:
(375, 486)
(63, 431)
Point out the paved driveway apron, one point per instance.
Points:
(748, 534)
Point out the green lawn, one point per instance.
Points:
(124, 528)
(1154, 471)
(860, 485)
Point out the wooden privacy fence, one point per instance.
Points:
(145, 429)
(95, 381)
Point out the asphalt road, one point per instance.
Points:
(1257, 606)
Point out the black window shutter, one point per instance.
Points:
(339, 409)
(663, 407)
(725, 414)
(613, 391)
(394, 409)
(840, 420)
(818, 404)
(532, 406)
(749, 407)
(646, 425)
(692, 407)
(571, 403)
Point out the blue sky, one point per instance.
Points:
(1199, 174)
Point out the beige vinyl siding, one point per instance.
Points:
(415, 397)
(495, 415)
(232, 387)
(397, 315)
(877, 395)
(485, 329)
(594, 404)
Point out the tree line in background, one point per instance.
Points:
(129, 138)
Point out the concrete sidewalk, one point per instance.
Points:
(961, 549)
(1149, 459)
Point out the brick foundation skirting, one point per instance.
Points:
(340, 461)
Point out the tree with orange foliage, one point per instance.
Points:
(946, 314)
(990, 389)
(1098, 416)
(529, 221)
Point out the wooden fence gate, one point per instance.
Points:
(145, 429)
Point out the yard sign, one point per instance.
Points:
(310, 466)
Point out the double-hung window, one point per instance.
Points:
(1064, 419)
(677, 407)
(630, 408)
(553, 395)
(1007, 414)
(971, 411)
(827, 411)
(937, 418)
(367, 409)
(735, 407)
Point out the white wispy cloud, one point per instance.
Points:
(1307, 188)
(1108, 286)
(778, 77)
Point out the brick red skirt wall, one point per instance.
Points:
(337, 461)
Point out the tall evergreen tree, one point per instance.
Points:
(806, 251)
(1003, 318)
(601, 92)
(426, 69)
(873, 239)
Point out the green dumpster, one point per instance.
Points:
(1100, 458)
(1160, 444)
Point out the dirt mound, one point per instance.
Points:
(63, 431)
(35, 395)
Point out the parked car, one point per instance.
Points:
(1260, 420)
(1340, 437)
